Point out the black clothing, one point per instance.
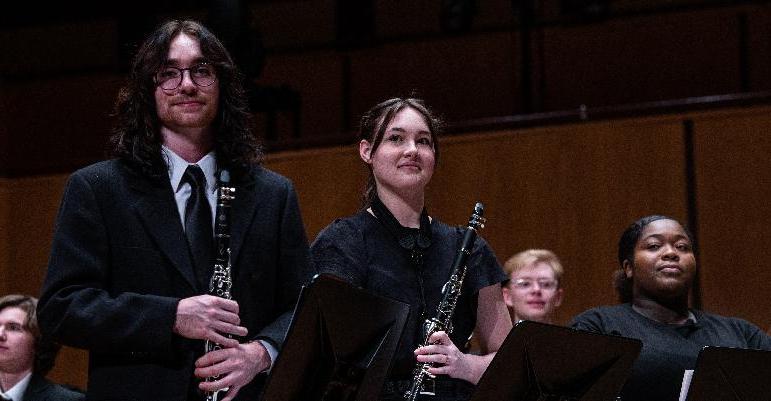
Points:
(362, 251)
(668, 350)
(446, 390)
(120, 264)
(40, 389)
(198, 228)
(414, 240)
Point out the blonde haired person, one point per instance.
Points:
(533, 291)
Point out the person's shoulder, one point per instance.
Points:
(605, 312)
(741, 328)
(345, 227)
(103, 175)
(265, 177)
(703, 316)
(100, 169)
(620, 309)
(441, 228)
(341, 247)
(454, 229)
(447, 232)
(264, 173)
(42, 389)
(62, 393)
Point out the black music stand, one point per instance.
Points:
(339, 345)
(731, 374)
(542, 362)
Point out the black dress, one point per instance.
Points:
(362, 251)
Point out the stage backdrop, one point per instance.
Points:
(570, 188)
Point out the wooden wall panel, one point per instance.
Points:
(329, 183)
(58, 93)
(572, 188)
(71, 368)
(28, 208)
(643, 58)
(759, 48)
(58, 123)
(294, 23)
(410, 18)
(32, 204)
(65, 47)
(5, 236)
(453, 75)
(317, 77)
(401, 18)
(733, 178)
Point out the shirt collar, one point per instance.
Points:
(16, 393)
(178, 165)
(689, 321)
(691, 318)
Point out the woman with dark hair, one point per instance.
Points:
(657, 271)
(26, 356)
(392, 247)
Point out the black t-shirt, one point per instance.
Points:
(360, 250)
(668, 350)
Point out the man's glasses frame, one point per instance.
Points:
(170, 77)
(527, 284)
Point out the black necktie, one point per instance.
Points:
(198, 225)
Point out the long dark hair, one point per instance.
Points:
(136, 137)
(373, 125)
(626, 246)
(45, 348)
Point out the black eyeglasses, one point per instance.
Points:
(169, 78)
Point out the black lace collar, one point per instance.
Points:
(414, 240)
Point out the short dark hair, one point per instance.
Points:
(45, 349)
(626, 246)
(374, 122)
(136, 137)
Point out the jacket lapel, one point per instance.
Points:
(157, 210)
(242, 213)
(36, 388)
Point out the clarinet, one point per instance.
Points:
(221, 280)
(422, 381)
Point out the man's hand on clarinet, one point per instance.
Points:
(207, 317)
(235, 367)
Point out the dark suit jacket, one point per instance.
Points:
(120, 264)
(40, 389)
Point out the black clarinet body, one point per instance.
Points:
(422, 381)
(221, 280)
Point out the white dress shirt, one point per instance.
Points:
(16, 393)
(177, 166)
